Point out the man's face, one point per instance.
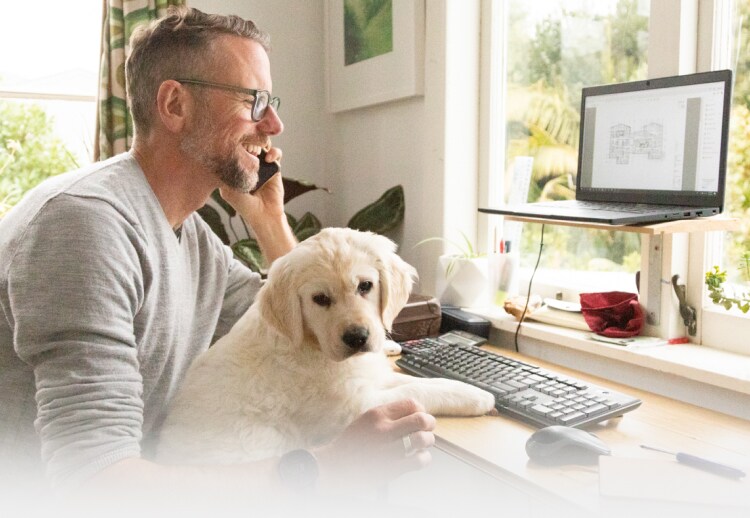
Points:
(222, 137)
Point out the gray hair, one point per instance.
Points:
(177, 45)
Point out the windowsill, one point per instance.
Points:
(700, 366)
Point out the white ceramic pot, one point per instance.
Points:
(464, 282)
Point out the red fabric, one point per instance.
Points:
(615, 314)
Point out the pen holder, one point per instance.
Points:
(504, 276)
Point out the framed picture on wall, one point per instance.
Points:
(374, 51)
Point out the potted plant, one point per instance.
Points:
(464, 277)
(380, 216)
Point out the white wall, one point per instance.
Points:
(426, 144)
(296, 29)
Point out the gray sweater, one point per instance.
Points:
(102, 310)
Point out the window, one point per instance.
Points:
(552, 50)
(48, 86)
(722, 328)
(542, 53)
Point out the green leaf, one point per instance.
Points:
(291, 220)
(466, 252)
(383, 214)
(212, 217)
(248, 251)
(469, 246)
(304, 234)
(223, 203)
(308, 225)
(294, 188)
(714, 281)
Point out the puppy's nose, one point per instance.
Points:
(356, 337)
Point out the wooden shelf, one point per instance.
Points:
(711, 224)
(652, 245)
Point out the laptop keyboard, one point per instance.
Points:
(634, 208)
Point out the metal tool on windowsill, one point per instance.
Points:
(701, 463)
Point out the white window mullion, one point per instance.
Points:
(715, 35)
(672, 50)
(672, 44)
(492, 119)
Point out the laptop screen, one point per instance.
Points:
(656, 141)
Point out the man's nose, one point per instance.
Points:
(271, 123)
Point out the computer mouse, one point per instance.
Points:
(392, 348)
(557, 445)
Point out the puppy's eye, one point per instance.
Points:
(321, 299)
(364, 287)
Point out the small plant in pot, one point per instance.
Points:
(464, 277)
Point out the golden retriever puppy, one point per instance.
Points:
(306, 359)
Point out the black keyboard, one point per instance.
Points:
(531, 394)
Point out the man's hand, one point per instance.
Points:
(264, 212)
(266, 202)
(373, 449)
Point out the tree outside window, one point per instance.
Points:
(47, 92)
(554, 49)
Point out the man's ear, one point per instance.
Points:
(279, 303)
(172, 105)
(396, 280)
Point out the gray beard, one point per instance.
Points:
(227, 167)
(229, 171)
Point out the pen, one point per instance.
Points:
(701, 463)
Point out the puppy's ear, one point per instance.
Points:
(279, 303)
(396, 280)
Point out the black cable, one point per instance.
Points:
(528, 293)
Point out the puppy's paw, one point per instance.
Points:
(479, 401)
(488, 402)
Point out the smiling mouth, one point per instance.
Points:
(253, 149)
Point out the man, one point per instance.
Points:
(110, 284)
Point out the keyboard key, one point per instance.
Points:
(569, 418)
(502, 386)
(594, 409)
(541, 409)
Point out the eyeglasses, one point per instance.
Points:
(262, 99)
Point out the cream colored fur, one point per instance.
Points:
(283, 378)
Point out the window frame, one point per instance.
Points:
(717, 328)
(685, 36)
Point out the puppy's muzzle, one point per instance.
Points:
(356, 338)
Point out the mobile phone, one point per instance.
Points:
(265, 171)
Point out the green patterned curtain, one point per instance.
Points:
(114, 128)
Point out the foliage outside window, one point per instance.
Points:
(728, 284)
(47, 92)
(571, 44)
(29, 151)
(738, 158)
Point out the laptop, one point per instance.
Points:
(649, 151)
